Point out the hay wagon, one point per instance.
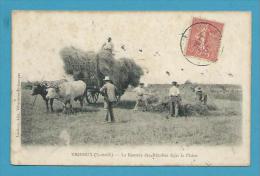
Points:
(92, 67)
(90, 74)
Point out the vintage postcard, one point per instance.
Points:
(131, 88)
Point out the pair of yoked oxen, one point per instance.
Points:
(64, 92)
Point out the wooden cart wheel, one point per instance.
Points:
(92, 97)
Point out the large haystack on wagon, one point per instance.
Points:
(92, 67)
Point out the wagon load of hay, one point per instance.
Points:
(92, 67)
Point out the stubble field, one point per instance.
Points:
(87, 127)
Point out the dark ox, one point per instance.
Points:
(41, 89)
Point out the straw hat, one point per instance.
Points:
(106, 78)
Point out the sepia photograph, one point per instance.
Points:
(131, 88)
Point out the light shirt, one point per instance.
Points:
(139, 91)
(110, 90)
(174, 91)
(108, 46)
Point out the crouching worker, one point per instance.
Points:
(174, 102)
(140, 99)
(109, 92)
(201, 97)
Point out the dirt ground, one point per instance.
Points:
(87, 127)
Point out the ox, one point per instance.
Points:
(41, 89)
(68, 92)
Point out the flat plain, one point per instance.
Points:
(87, 127)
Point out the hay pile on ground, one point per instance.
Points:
(92, 67)
(161, 104)
(184, 109)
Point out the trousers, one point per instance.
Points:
(109, 111)
(174, 105)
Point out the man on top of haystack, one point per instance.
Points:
(174, 95)
(108, 45)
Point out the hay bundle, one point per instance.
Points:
(152, 99)
(184, 109)
(92, 67)
(155, 103)
(196, 109)
(75, 59)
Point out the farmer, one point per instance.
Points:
(174, 95)
(200, 95)
(108, 46)
(198, 92)
(140, 99)
(109, 92)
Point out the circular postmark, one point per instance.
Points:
(200, 43)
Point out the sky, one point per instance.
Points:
(38, 37)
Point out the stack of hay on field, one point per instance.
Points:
(92, 67)
(158, 101)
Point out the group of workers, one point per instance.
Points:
(109, 92)
(174, 98)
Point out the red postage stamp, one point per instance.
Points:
(204, 39)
